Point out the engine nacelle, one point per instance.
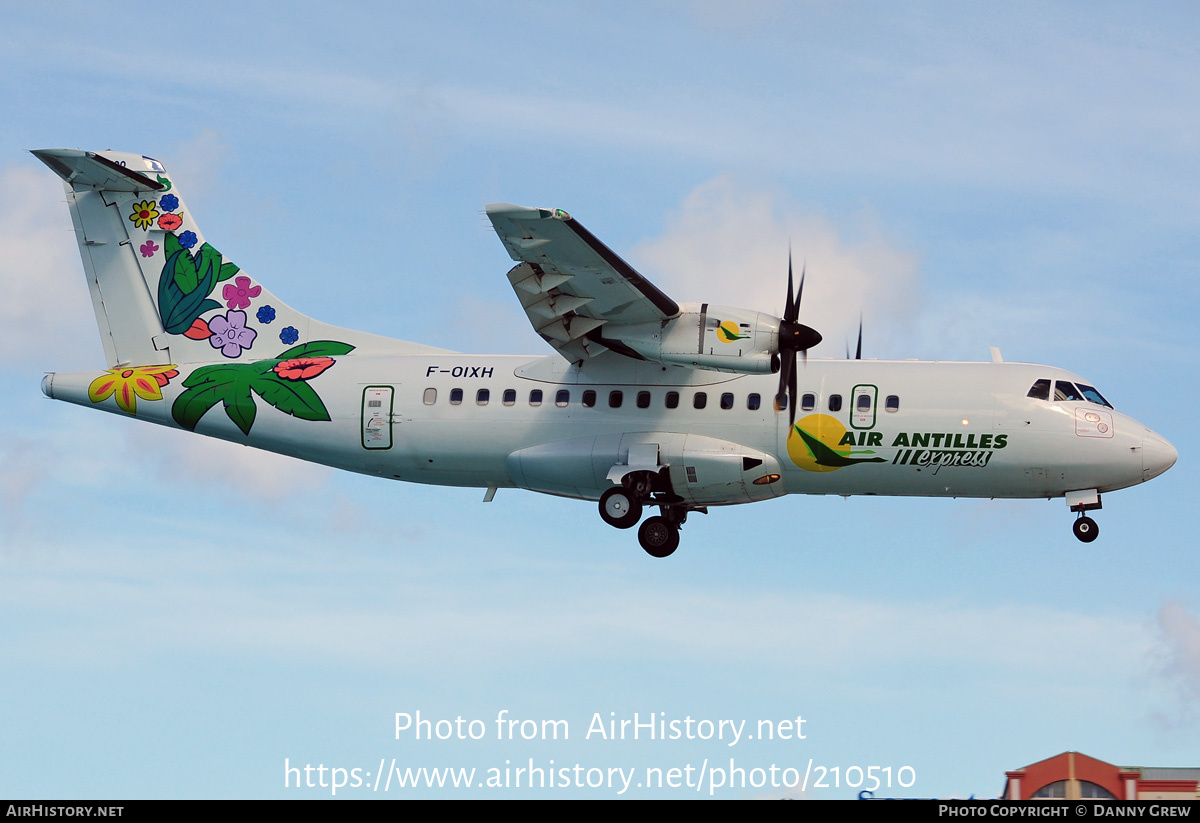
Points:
(703, 336)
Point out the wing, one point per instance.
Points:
(570, 283)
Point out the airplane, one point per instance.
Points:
(644, 402)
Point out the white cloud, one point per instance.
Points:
(728, 244)
(1180, 634)
(46, 316)
(218, 466)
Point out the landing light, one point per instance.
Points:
(766, 479)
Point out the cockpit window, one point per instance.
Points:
(1040, 390)
(1093, 396)
(1064, 390)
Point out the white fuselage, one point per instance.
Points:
(931, 429)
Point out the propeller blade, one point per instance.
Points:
(858, 351)
(787, 367)
(792, 395)
(789, 308)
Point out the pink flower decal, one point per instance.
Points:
(170, 222)
(229, 333)
(238, 296)
(303, 368)
(148, 248)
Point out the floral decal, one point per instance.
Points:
(266, 314)
(302, 368)
(229, 333)
(188, 239)
(148, 248)
(128, 385)
(282, 383)
(166, 184)
(170, 222)
(169, 202)
(289, 335)
(143, 214)
(238, 296)
(187, 280)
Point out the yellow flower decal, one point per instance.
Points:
(128, 385)
(144, 214)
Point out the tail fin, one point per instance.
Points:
(161, 294)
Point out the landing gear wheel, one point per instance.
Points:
(620, 508)
(658, 537)
(1085, 529)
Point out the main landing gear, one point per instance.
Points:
(622, 506)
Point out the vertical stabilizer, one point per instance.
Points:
(161, 294)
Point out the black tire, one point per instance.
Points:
(619, 508)
(658, 537)
(1085, 529)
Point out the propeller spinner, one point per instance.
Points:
(794, 338)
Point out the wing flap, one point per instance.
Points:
(569, 283)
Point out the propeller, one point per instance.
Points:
(794, 338)
(858, 351)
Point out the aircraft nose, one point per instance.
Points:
(1157, 455)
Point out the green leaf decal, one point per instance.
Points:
(292, 397)
(227, 271)
(317, 348)
(185, 273)
(208, 385)
(165, 183)
(241, 410)
(177, 309)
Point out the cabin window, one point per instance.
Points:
(700, 400)
(863, 404)
(808, 401)
(455, 397)
(535, 397)
(510, 396)
(643, 400)
(614, 399)
(835, 402)
(1066, 391)
(727, 400)
(562, 398)
(589, 399)
(892, 403)
(482, 396)
(430, 397)
(672, 400)
(1040, 390)
(753, 402)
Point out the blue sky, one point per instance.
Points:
(178, 616)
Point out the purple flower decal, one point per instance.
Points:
(148, 248)
(229, 333)
(266, 314)
(169, 202)
(188, 239)
(289, 335)
(238, 296)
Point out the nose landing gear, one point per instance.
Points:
(1085, 528)
(1087, 500)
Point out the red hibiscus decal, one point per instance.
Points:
(303, 368)
(170, 222)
